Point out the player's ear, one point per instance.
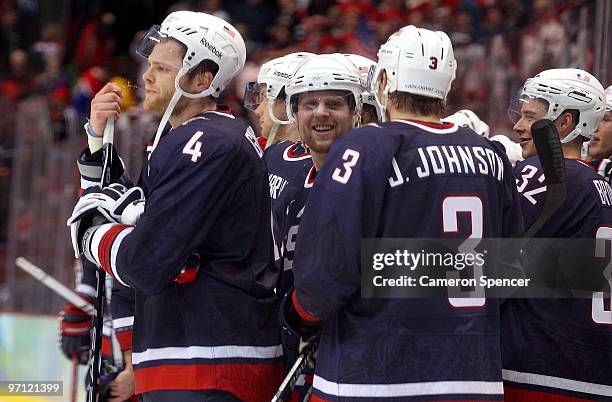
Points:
(565, 123)
(203, 80)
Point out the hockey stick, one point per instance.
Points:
(303, 360)
(96, 338)
(75, 378)
(68, 294)
(550, 153)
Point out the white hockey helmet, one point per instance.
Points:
(417, 61)
(608, 94)
(272, 78)
(205, 37)
(324, 72)
(561, 89)
(467, 118)
(364, 65)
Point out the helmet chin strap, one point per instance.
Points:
(275, 126)
(271, 114)
(164, 120)
(172, 104)
(571, 136)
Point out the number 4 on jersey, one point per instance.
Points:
(194, 146)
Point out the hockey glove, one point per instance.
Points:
(75, 327)
(100, 206)
(91, 165)
(292, 322)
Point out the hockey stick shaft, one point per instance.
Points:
(303, 360)
(96, 338)
(47, 280)
(550, 153)
(75, 379)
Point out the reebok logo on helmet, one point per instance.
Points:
(282, 75)
(211, 47)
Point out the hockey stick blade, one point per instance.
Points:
(296, 371)
(550, 153)
(68, 294)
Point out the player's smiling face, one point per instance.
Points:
(164, 63)
(601, 144)
(532, 110)
(322, 116)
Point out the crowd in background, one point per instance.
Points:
(497, 43)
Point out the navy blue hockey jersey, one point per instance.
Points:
(402, 179)
(288, 164)
(560, 348)
(205, 186)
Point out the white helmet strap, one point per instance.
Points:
(164, 121)
(172, 104)
(272, 116)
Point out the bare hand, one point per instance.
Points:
(105, 105)
(122, 387)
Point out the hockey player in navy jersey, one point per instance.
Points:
(199, 257)
(288, 161)
(560, 349)
(381, 181)
(600, 146)
(324, 101)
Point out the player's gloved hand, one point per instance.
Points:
(128, 208)
(98, 206)
(291, 320)
(91, 165)
(75, 326)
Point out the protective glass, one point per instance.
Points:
(254, 95)
(527, 106)
(311, 102)
(149, 40)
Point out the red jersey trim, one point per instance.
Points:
(305, 315)
(440, 126)
(125, 340)
(106, 243)
(249, 382)
(583, 162)
(512, 394)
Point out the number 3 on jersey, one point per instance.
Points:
(343, 174)
(194, 146)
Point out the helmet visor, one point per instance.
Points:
(527, 106)
(149, 40)
(254, 95)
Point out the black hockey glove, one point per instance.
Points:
(293, 323)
